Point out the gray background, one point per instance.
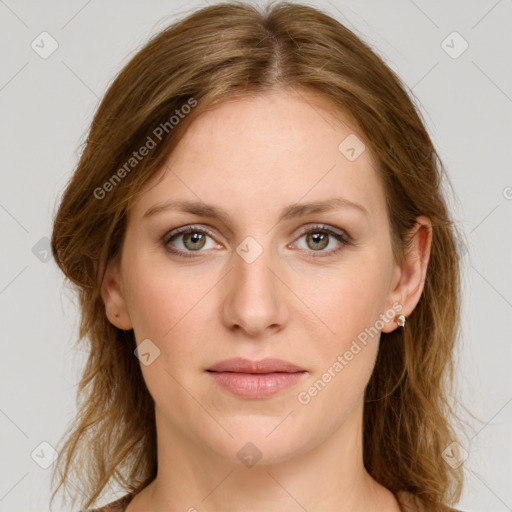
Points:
(46, 107)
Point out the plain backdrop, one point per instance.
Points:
(463, 86)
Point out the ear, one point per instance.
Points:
(113, 297)
(409, 279)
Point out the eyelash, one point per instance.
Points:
(344, 239)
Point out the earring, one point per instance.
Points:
(401, 319)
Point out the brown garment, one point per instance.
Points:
(404, 500)
(116, 506)
(409, 503)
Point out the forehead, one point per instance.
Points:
(267, 151)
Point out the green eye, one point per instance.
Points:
(317, 238)
(193, 239)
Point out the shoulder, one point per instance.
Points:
(116, 506)
(410, 503)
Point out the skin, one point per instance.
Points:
(252, 157)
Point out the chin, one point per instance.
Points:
(261, 441)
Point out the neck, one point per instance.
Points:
(329, 477)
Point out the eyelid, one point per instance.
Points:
(185, 229)
(342, 236)
(303, 230)
(324, 227)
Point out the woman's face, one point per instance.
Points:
(253, 283)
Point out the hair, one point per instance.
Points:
(213, 55)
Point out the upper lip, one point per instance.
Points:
(267, 365)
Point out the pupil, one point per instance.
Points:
(193, 239)
(319, 239)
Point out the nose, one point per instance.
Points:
(255, 296)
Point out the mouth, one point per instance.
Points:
(256, 379)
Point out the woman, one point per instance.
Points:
(267, 274)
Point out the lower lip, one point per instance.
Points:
(251, 385)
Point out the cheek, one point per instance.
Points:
(151, 304)
(169, 309)
(345, 301)
(169, 306)
(345, 358)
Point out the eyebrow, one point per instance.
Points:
(289, 212)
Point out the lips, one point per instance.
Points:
(255, 379)
(268, 365)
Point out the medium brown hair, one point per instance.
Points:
(211, 56)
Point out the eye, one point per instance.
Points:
(187, 240)
(190, 239)
(319, 237)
